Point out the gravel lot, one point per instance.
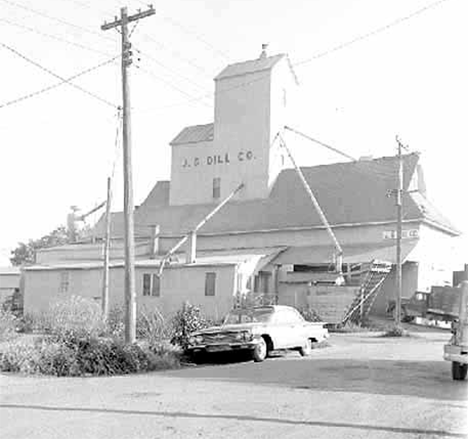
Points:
(361, 386)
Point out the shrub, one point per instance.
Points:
(310, 315)
(74, 343)
(56, 359)
(187, 320)
(91, 356)
(115, 324)
(8, 324)
(152, 326)
(19, 357)
(75, 317)
(396, 331)
(162, 355)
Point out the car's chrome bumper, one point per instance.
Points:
(455, 353)
(222, 347)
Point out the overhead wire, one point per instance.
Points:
(373, 32)
(54, 37)
(176, 54)
(56, 19)
(190, 98)
(55, 75)
(58, 84)
(172, 71)
(198, 37)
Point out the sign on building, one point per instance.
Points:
(405, 234)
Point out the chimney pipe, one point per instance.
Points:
(263, 55)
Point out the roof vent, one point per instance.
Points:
(263, 55)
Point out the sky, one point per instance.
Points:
(368, 71)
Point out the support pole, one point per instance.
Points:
(197, 227)
(130, 292)
(105, 276)
(399, 207)
(323, 218)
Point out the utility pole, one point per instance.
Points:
(105, 277)
(130, 293)
(399, 202)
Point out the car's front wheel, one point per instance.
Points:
(260, 351)
(459, 371)
(306, 350)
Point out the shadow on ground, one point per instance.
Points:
(426, 379)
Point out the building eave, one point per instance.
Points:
(291, 229)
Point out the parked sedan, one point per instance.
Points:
(261, 330)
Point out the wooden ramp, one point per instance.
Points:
(351, 302)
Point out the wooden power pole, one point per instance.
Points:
(399, 206)
(130, 293)
(105, 277)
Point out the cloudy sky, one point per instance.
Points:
(369, 70)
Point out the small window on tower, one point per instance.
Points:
(216, 188)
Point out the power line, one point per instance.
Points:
(373, 32)
(58, 84)
(50, 72)
(176, 54)
(160, 64)
(159, 79)
(216, 51)
(56, 19)
(54, 37)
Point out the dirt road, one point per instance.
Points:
(361, 386)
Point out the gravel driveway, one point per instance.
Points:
(362, 386)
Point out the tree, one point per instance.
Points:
(25, 253)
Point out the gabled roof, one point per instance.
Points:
(252, 66)
(349, 193)
(195, 134)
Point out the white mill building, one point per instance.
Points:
(268, 239)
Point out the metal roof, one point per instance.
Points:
(351, 193)
(252, 66)
(195, 134)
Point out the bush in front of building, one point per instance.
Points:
(310, 315)
(150, 325)
(84, 357)
(74, 318)
(187, 320)
(75, 340)
(8, 324)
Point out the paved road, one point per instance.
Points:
(359, 387)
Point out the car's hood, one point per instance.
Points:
(237, 327)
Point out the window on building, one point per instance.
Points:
(210, 284)
(151, 285)
(262, 282)
(64, 281)
(155, 288)
(216, 188)
(146, 284)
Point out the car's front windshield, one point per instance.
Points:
(248, 316)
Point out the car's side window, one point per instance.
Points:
(279, 318)
(292, 316)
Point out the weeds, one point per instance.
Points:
(77, 341)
